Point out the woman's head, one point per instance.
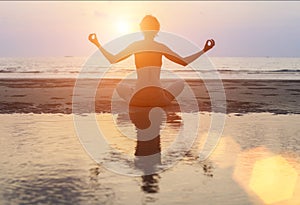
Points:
(150, 24)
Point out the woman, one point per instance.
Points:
(148, 60)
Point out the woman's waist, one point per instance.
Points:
(148, 83)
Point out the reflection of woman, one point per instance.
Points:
(148, 122)
(147, 151)
(148, 60)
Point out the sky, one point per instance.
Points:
(240, 29)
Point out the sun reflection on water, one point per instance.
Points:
(268, 177)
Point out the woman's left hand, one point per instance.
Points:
(209, 45)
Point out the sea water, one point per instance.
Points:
(224, 67)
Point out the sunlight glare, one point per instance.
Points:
(273, 179)
(123, 27)
(267, 177)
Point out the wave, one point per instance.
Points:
(7, 71)
(222, 71)
(286, 71)
(34, 71)
(228, 71)
(13, 71)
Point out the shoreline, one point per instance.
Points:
(54, 95)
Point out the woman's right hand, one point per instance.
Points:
(93, 39)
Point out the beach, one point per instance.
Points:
(242, 95)
(44, 162)
(149, 103)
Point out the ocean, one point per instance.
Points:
(226, 67)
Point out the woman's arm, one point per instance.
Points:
(171, 55)
(110, 57)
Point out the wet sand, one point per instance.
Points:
(242, 96)
(42, 162)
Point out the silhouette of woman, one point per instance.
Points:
(148, 55)
(147, 152)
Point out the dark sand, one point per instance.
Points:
(242, 96)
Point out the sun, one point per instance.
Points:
(123, 27)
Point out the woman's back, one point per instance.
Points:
(148, 64)
(148, 59)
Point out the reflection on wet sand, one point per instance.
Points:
(146, 148)
(270, 177)
(42, 162)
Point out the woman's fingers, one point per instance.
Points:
(92, 36)
(211, 43)
(208, 42)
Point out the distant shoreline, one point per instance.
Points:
(166, 79)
